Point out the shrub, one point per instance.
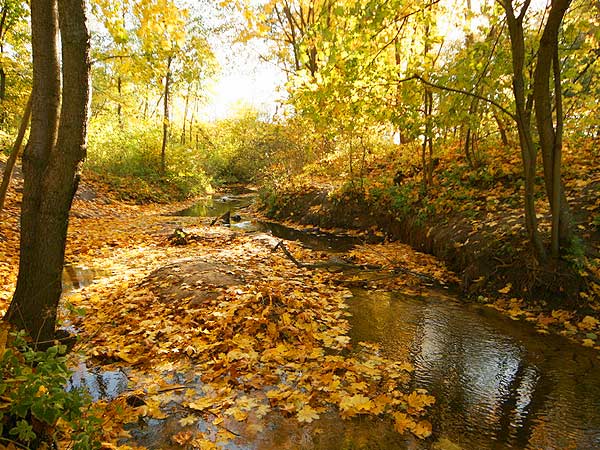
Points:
(35, 408)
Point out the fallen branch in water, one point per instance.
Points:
(333, 262)
(341, 264)
(225, 218)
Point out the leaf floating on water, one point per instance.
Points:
(403, 422)
(588, 323)
(307, 414)
(182, 438)
(506, 289)
(422, 429)
(419, 401)
(355, 404)
(188, 420)
(588, 342)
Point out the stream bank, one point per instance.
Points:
(490, 256)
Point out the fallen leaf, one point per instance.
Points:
(307, 414)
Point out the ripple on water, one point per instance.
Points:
(498, 384)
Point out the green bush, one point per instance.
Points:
(35, 408)
(128, 157)
(132, 150)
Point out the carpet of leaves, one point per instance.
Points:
(275, 344)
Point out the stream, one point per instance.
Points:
(498, 384)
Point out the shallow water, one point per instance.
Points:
(498, 383)
(238, 205)
(217, 205)
(76, 277)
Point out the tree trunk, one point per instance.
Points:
(471, 135)
(119, 102)
(185, 114)
(523, 119)
(10, 164)
(427, 144)
(551, 136)
(501, 129)
(51, 161)
(165, 139)
(2, 84)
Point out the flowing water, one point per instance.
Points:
(242, 220)
(498, 383)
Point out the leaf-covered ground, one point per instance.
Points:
(223, 331)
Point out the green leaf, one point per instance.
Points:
(23, 431)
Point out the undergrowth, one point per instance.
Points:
(36, 411)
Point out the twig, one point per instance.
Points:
(282, 246)
(226, 218)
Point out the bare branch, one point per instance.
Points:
(459, 91)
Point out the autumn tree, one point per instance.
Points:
(13, 52)
(546, 97)
(56, 148)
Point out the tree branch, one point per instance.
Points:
(459, 91)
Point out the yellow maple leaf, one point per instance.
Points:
(188, 420)
(307, 414)
(201, 404)
(403, 422)
(588, 323)
(204, 444)
(354, 404)
(182, 438)
(237, 414)
(418, 401)
(506, 289)
(588, 342)
(422, 429)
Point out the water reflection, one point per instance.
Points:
(498, 384)
(100, 384)
(237, 204)
(316, 240)
(76, 277)
(217, 205)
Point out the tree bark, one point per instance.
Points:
(51, 161)
(523, 119)
(185, 114)
(165, 139)
(549, 134)
(501, 129)
(12, 159)
(119, 102)
(427, 144)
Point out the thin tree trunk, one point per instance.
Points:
(2, 84)
(560, 208)
(501, 129)
(185, 114)
(165, 139)
(427, 145)
(145, 114)
(551, 136)
(10, 164)
(523, 119)
(119, 103)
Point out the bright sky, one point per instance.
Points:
(245, 80)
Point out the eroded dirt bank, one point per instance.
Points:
(490, 256)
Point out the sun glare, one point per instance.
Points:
(246, 80)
